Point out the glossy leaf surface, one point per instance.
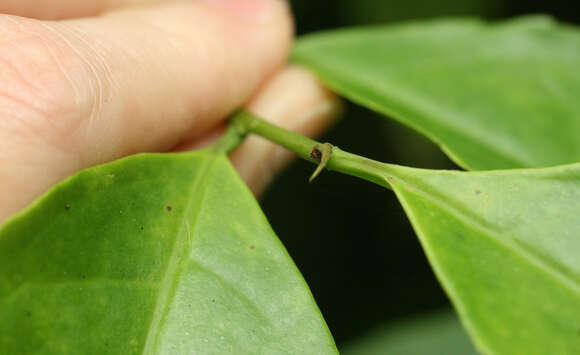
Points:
(505, 247)
(153, 254)
(494, 96)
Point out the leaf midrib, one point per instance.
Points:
(169, 282)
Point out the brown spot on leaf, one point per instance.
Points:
(67, 206)
(252, 247)
(169, 208)
(459, 235)
(391, 179)
(477, 192)
(28, 314)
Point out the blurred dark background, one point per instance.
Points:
(351, 239)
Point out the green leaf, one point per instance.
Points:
(438, 333)
(154, 254)
(505, 247)
(493, 96)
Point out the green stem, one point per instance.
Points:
(309, 149)
(232, 137)
(300, 145)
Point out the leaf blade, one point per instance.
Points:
(513, 277)
(439, 332)
(488, 94)
(119, 247)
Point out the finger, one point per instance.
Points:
(83, 92)
(296, 100)
(62, 9)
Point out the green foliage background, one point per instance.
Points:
(351, 239)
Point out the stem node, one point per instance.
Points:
(320, 153)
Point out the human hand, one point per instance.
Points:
(112, 78)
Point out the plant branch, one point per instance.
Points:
(324, 154)
(232, 137)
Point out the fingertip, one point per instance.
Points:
(266, 24)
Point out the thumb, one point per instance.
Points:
(82, 92)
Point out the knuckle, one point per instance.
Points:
(42, 76)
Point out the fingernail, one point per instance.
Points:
(249, 10)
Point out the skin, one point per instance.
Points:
(87, 82)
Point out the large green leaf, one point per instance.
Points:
(493, 96)
(154, 254)
(505, 245)
(438, 333)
